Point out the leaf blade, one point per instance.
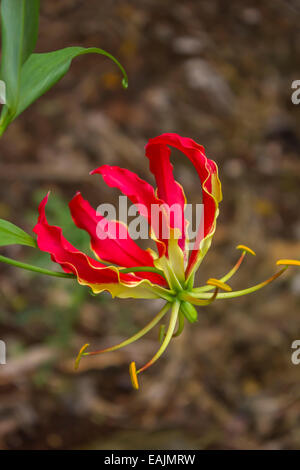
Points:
(10, 234)
(19, 25)
(42, 71)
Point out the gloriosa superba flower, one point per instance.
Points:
(124, 269)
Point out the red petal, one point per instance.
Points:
(137, 190)
(51, 240)
(207, 170)
(168, 189)
(121, 251)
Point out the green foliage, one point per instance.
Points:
(26, 75)
(19, 24)
(42, 71)
(10, 234)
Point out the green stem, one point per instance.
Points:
(29, 267)
(137, 269)
(36, 269)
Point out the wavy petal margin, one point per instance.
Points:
(157, 149)
(110, 239)
(169, 190)
(90, 272)
(141, 194)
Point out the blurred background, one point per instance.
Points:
(220, 73)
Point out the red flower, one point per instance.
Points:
(123, 268)
(114, 255)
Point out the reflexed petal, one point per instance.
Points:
(118, 247)
(169, 190)
(88, 271)
(211, 186)
(138, 191)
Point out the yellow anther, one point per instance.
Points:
(246, 248)
(133, 376)
(80, 355)
(220, 284)
(288, 262)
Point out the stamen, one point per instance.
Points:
(162, 329)
(235, 268)
(168, 337)
(246, 248)
(230, 295)
(180, 325)
(218, 283)
(78, 359)
(232, 271)
(128, 341)
(133, 376)
(195, 300)
(161, 333)
(288, 262)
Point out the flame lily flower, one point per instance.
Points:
(124, 269)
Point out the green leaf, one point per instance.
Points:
(42, 71)
(10, 234)
(19, 25)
